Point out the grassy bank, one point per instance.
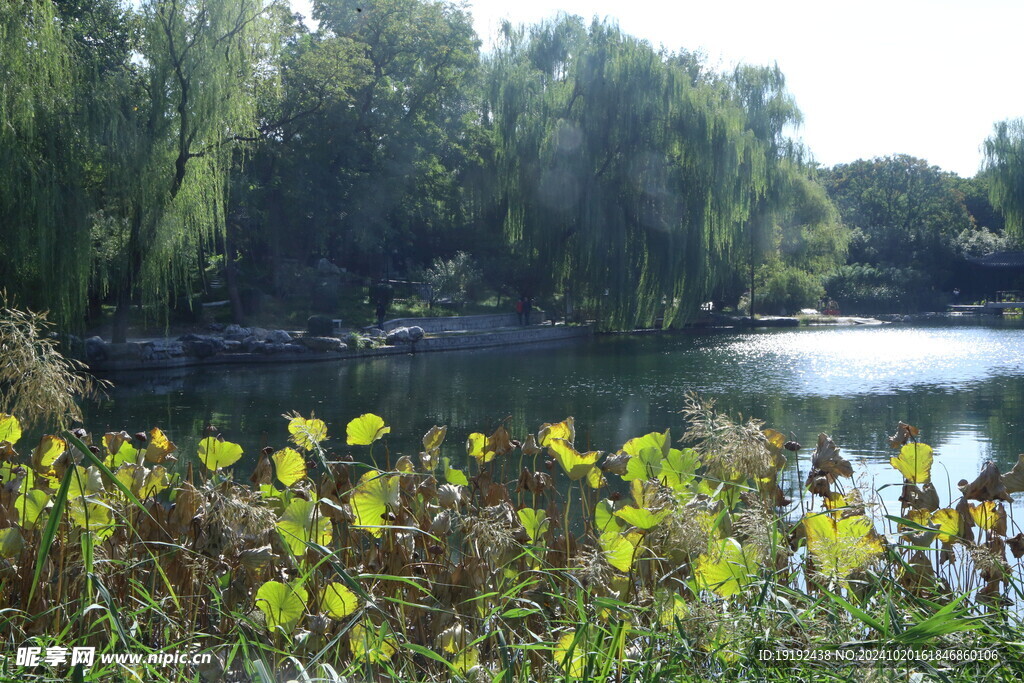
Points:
(501, 557)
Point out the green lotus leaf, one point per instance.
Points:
(725, 568)
(46, 453)
(564, 430)
(433, 439)
(842, 546)
(605, 521)
(216, 454)
(374, 643)
(645, 464)
(620, 549)
(30, 506)
(366, 429)
(289, 466)
(307, 434)
(92, 516)
(534, 521)
(85, 482)
(338, 601)
(679, 468)
(302, 523)
(371, 499)
(11, 542)
(914, 462)
(10, 428)
(641, 518)
(119, 450)
(282, 604)
(577, 465)
(452, 475)
(154, 482)
(10, 471)
(658, 441)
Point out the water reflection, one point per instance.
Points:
(963, 386)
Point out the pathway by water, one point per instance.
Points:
(963, 386)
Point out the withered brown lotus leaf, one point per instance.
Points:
(186, 504)
(967, 524)
(530, 446)
(818, 486)
(904, 433)
(616, 464)
(1016, 545)
(254, 558)
(988, 485)
(918, 575)
(7, 451)
(827, 461)
(499, 442)
(263, 473)
(920, 498)
(1013, 480)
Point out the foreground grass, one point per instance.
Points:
(507, 560)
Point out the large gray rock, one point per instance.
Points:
(415, 333)
(125, 351)
(322, 343)
(95, 349)
(279, 337)
(236, 332)
(398, 336)
(162, 349)
(320, 326)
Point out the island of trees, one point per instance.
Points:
(159, 154)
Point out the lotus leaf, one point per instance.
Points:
(565, 430)
(85, 482)
(571, 655)
(641, 518)
(30, 506)
(216, 454)
(307, 434)
(476, 446)
(338, 601)
(365, 429)
(302, 523)
(534, 521)
(725, 568)
(914, 462)
(989, 516)
(988, 485)
(92, 516)
(620, 549)
(11, 471)
(10, 428)
(841, 546)
(120, 450)
(282, 604)
(433, 439)
(656, 440)
(289, 465)
(371, 499)
(374, 643)
(154, 482)
(452, 475)
(1013, 481)
(158, 447)
(948, 521)
(46, 453)
(11, 542)
(605, 521)
(679, 468)
(904, 433)
(827, 462)
(646, 464)
(577, 465)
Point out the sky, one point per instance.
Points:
(928, 78)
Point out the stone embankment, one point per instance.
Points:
(252, 345)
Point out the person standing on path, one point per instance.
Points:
(527, 308)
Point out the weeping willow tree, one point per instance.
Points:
(622, 175)
(44, 238)
(1004, 170)
(171, 136)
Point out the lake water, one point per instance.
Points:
(963, 386)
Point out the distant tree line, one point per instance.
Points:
(139, 144)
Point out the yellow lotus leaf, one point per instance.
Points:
(534, 521)
(289, 466)
(948, 520)
(371, 499)
(726, 567)
(466, 659)
(433, 439)
(92, 516)
(302, 523)
(571, 655)
(365, 429)
(46, 453)
(840, 547)
(10, 428)
(988, 515)
(577, 465)
(641, 518)
(216, 454)
(132, 476)
(373, 643)
(605, 521)
(11, 542)
(620, 549)
(672, 607)
(282, 604)
(476, 446)
(158, 446)
(120, 450)
(307, 434)
(30, 506)
(921, 517)
(154, 482)
(405, 465)
(452, 475)
(914, 462)
(338, 601)
(655, 440)
(835, 501)
(564, 430)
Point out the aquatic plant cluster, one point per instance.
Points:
(506, 559)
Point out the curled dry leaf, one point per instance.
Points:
(988, 485)
(1013, 480)
(1016, 545)
(827, 462)
(920, 497)
(904, 433)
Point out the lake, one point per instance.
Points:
(963, 386)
